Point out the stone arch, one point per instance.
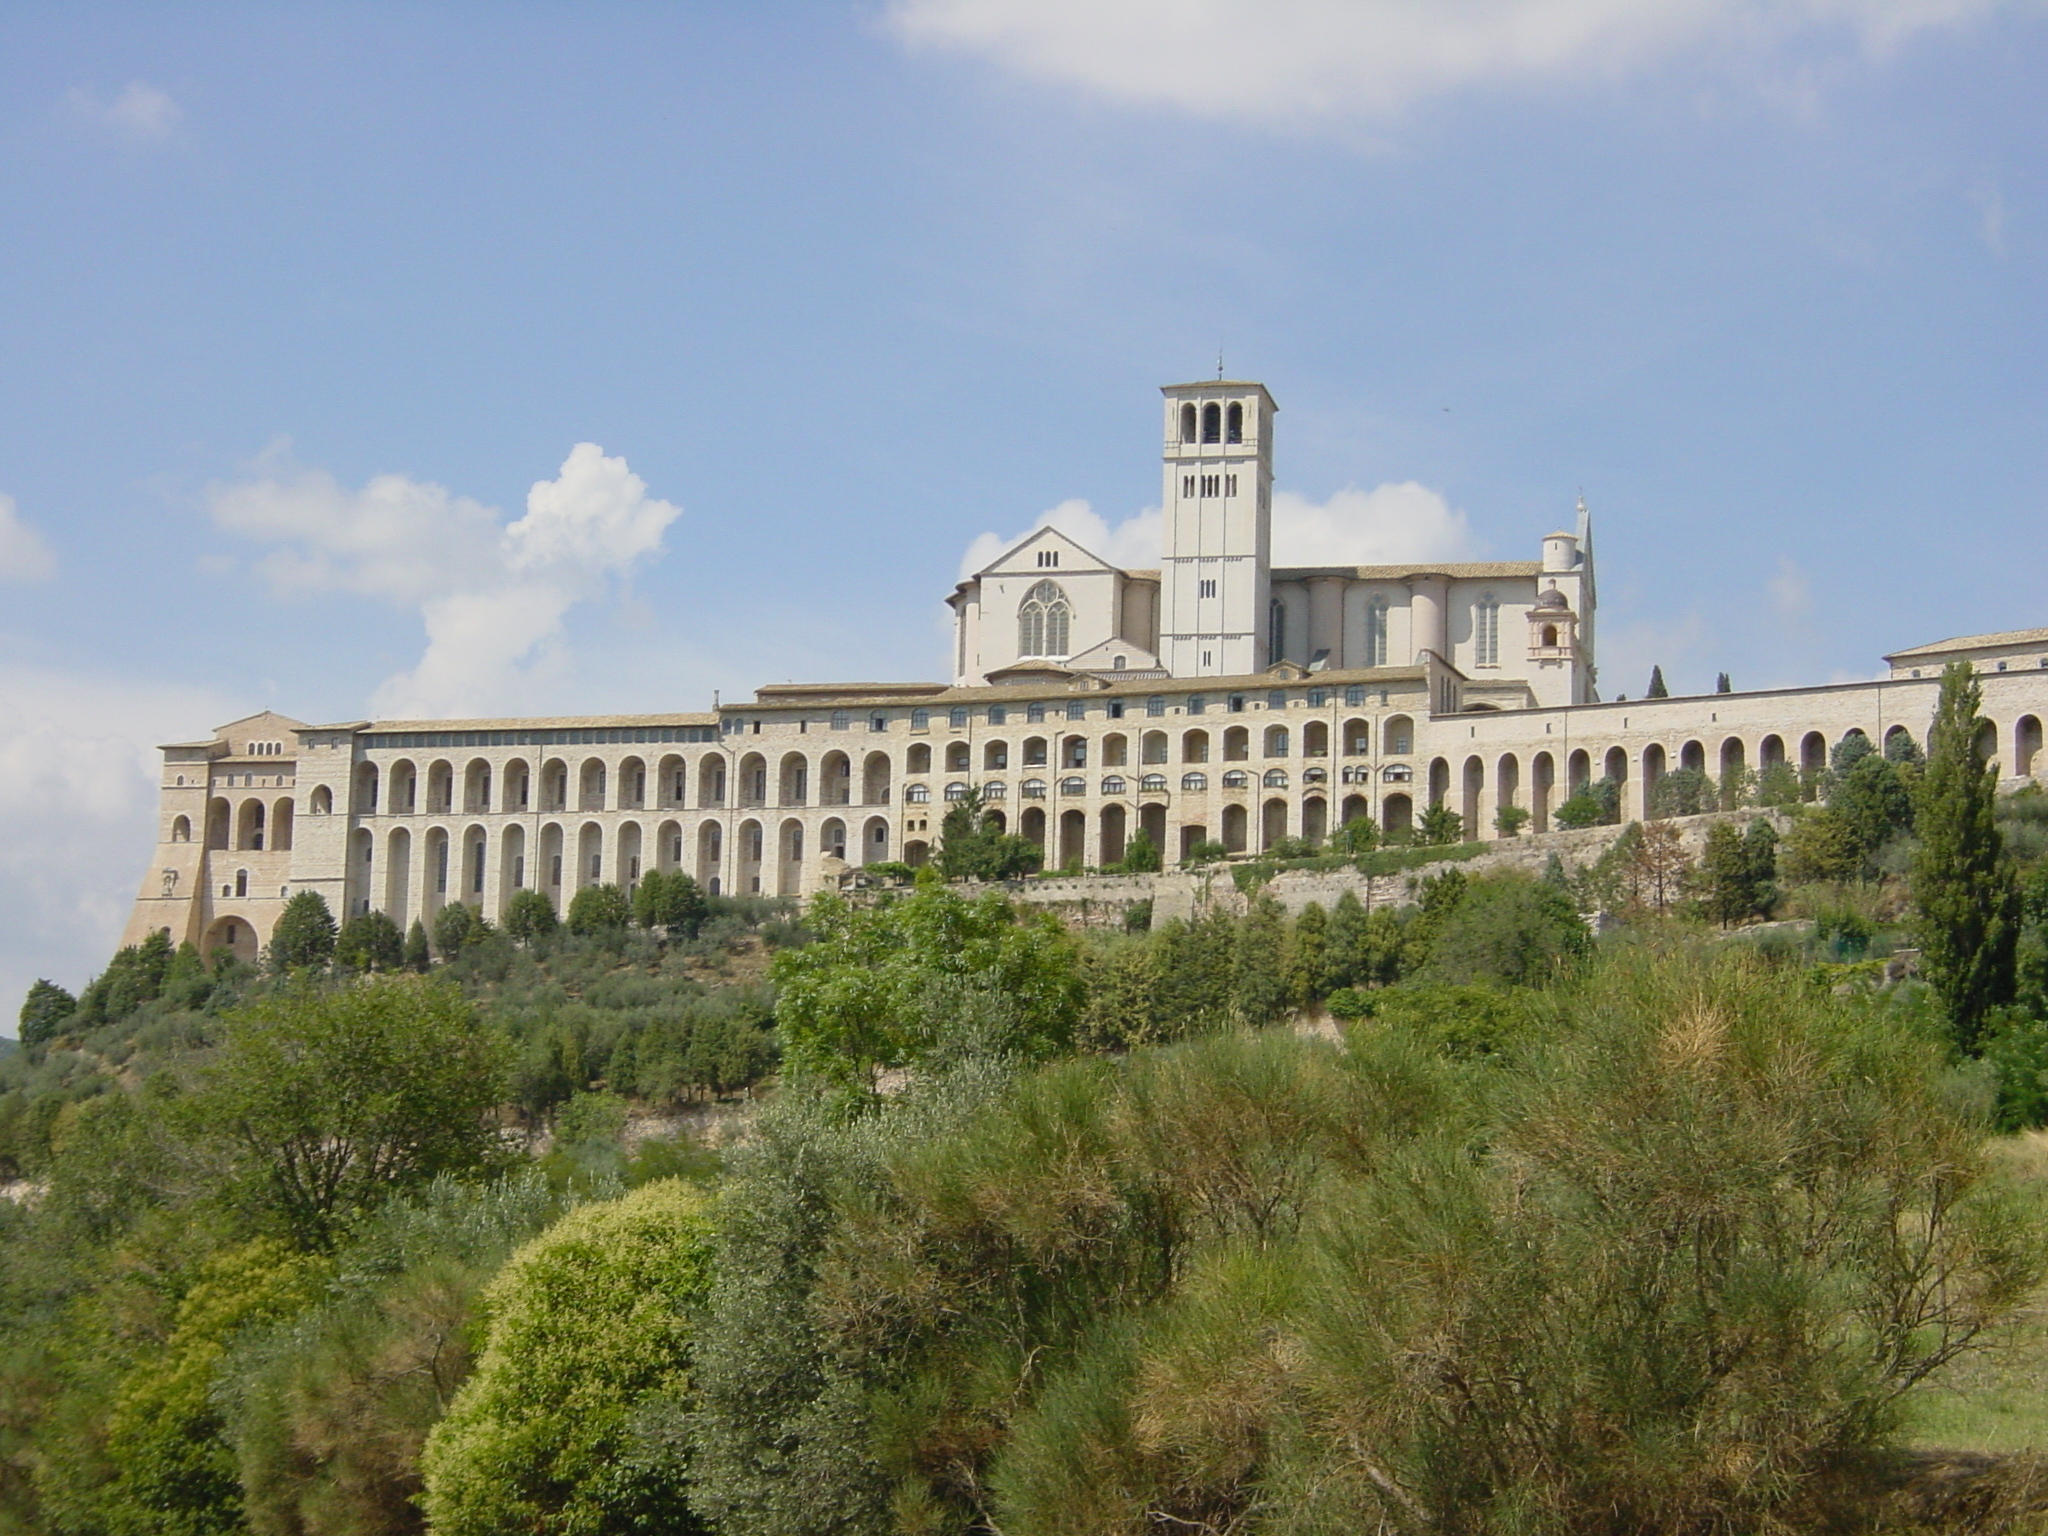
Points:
(236, 935)
(1315, 818)
(1507, 780)
(398, 875)
(241, 883)
(1235, 823)
(1272, 823)
(1578, 771)
(1116, 751)
(710, 853)
(362, 866)
(476, 858)
(554, 875)
(554, 785)
(1734, 769)
(1152, 748)
(1397, 815)
(589, 855)
(1237, 744)
(1693, 755)
(591, 784)
(440, 787)
(1813, 755)
(793, 780)
(512, 871)
(918, 758)
(633, 784)
(435, 888)
(1035, 748)
(515, 790)
(711, 780)
(874, 779)
(835, 779)
(832, 838)
(1354, 808)
(917, 853)
(1191, 834)
(1113, 822)
(476, 787)
(1357, 737)
(874, 840)
(750, 849)
(1474, 786)
(364, 794)
(2026, 744)
(1031, 827)
(631, 853)
(1653, 770)
(1397, 736)
(1892, 738)
(1074, 752)
(181, 829)
(404, 796)
(671, 782)
(1542, 790)
(281, 825)
(752, 788)
(1194, 746)
(1986, 744)
(1315, 739)
(1276, 742)
(668, 847)
(321, 801)
(995, 756)
(1152, 822)
(1073, 838)
(249, 827)
(1439, 780)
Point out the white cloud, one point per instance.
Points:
(1309, 60)
(1387, 525)
(1989, 202)
(23, 554)
(492, 596)
(1790, 592)
(78, 796)
(142, 112)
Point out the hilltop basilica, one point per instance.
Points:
(1218, 697)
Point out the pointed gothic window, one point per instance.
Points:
(1376, 631)
(1486, 632)
(1043, 621)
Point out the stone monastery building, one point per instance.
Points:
(1218, 697)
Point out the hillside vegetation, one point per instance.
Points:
(1443, 1217)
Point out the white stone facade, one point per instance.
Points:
(1081, 721)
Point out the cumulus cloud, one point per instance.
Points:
(1304, 60)
(78, 795)
(1386, 525)
(23, 554)
(1791, 593)
(492, 595)
(143, 113)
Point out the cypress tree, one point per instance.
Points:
(1348, 940)
(1965, 898)
(418, 956)
(1262, 963)
(1308, 971)
(305, 933)
(1657, 688)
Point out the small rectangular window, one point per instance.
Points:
(1237, 703)
(1116, 709)
(840, 719)
(1207, 588)
(957, 717)
(1076, 710)
(1034, 713)
(1155, 706)
(1196, 704)
(1276, 700)
(878, 722)
(998, 715)
(1354, 695)
(920, 719)
(1317, 698)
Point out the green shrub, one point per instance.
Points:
(530, 915)
(599, 909)
(587, 1325)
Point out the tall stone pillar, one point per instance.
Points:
(1427, 598)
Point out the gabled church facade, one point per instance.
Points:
(1218, 698)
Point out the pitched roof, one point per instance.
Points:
(1975, 643)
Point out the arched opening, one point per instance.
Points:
(281, 826)
(249, 826)
(917, 853)
(1031, 827)
(589, 855)
(364, 795)
(1187, 423)
(1653, 770)
(362, 858)
(1116, 750)
(753, 785)
(1550, 637)
(1074, 752)
(1397, 816)
(1073, 839)
(1233, 431)
(1397, 736)
(1315, 739)
(668, 847)
(241, 882)
(322, 800)
(1616, 768)
(1542, 790)
(1468, 806)
(995, 756)
(672, 780)
(1578, 772)
(1315, 819)
(1770, 753)
(440, 788)
(1439, 780)
(1507, 782)
(2026, 744)
(1044, 621)
(475, 860)
(553, 873)
(1693, 756)
(1358, 738)
(434, 892)
(590, 785)
(511, 863)
(874, 840)
(1234, 820)
(1113, 822)
(1898, 742)
(404, 799)
(1986, 744)
(710, 850)
(630, 854)
(632, 784)
(1152, 748)
(711, 781)
(1194, 746)
(832, 838)
(1276, 741)
(1734, 772)
(554, 785)
(181, 829)
(794, 787)
(752, 845)
(235, 935)
(476, 788)
(789, 878)
(1237, 745)
(1272, 823)
(1212, 423)
(398, 876)
(875, 779)
(918, 759)
(1152, 822)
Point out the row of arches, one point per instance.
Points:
(254, 826)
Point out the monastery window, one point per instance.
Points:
(1118, 663)
(181, 830)
(1043, 621)
(1276, 630)
(1153, 784)
(241, 882)
(1354, 696)
(1196, 704)
(995, 755)
(956, 757)
(841, 719)
(998, 715)
(1034, 713)
(920, 719)
(1115, 709)
(957, 717)
(956, 791)
(1153, 748)
(1048, 559)
(995, 790)
(1316, 776)
(1375, 632)
(1276, 778)
(1212, 485)
(1034, 752)
(918, 794)
(1206, 587)
(1237, 703)
(1073, 786)
(1486, 632)
(1276, 700)
(1074, 752)
(323, 801)
(1155, 707)
(1187, 485)
(1033, 789)
(1194, 781)
(878, 722)
(1550, 637)
(1237, 778)
(1318, 697)
(1399, 736)
(1077, 709)
(1114, 785)
(1397, 773)
(1276, 741)
(1187, 423)
(1212, 423)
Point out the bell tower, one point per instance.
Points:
(1215, 576)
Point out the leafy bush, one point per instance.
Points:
(587, 1324)
(599, 909)
(304, 935)
(369, 941)
(530, 915)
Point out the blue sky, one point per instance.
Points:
(298, 304)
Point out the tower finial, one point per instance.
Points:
(1219, 365)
